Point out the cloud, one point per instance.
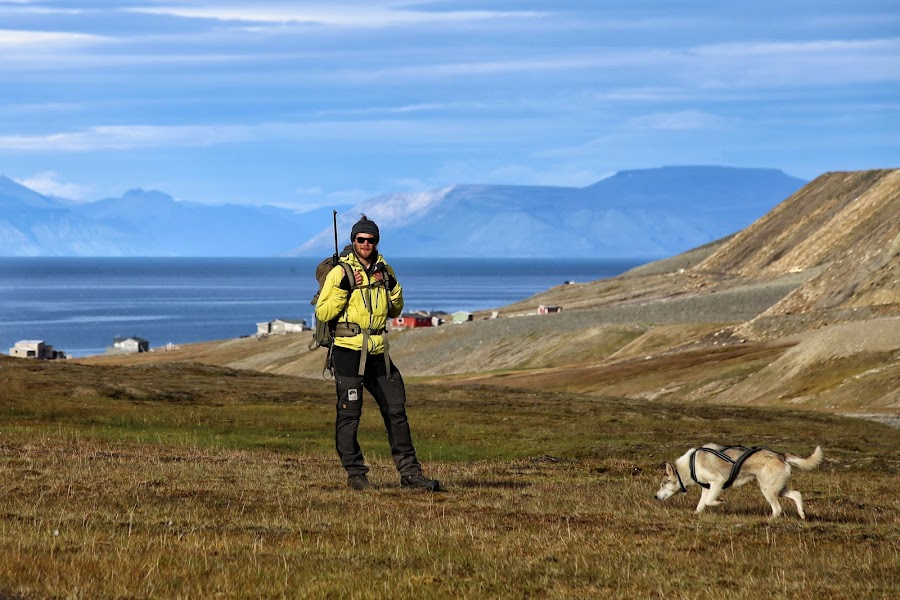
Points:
(703, 68)
(808, 47)
(348, 196)
(45, 40)
(567, 175)
(318, 197)
(682, 120)
(794, 64)
(56, 108)
(361, 15)
(48, 183)
(577, 173)
(310, 191)
(124, 137)
(409, 109)
(707, 66)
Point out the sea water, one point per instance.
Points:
(79, 305)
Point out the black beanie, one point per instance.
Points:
(364, 225)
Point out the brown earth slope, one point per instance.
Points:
(845, 228)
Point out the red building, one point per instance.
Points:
(410, 321)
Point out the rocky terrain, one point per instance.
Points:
(802, 308)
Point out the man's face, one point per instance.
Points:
(364, 245)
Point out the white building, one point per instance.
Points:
(35, 349)
(131, 345)
(462, 316)
(281, 326)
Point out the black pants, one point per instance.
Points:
(390, 394)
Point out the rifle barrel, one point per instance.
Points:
(336, 253)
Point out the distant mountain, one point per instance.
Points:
(15, 199)
(34, 225)
(145, 223)
(171, 228)
(642, 213)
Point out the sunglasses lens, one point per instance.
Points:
(362, 240)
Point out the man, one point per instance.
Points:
(361, 359)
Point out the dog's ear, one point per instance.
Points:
(669, 470)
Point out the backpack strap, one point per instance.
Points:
(348, 272)
(344, 328)
(325, 332)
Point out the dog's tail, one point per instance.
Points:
(808, 463)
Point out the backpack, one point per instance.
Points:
(323, 334)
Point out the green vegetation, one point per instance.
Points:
(184, 480)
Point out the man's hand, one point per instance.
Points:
(382, 274)
(345, 283)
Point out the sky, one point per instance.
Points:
(313, 104)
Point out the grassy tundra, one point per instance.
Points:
(183, 480)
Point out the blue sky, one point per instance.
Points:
(307, 104)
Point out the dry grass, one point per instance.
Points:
(662, 375)
(192, 481)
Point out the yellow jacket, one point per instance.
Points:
(370, 305)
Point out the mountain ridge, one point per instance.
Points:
(646, 213)
(651, 218)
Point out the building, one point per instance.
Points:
(545, 310)
(130, 345)
(411, 321)
(461, 316)
(438, 317)
(279, 326)
(35, 349)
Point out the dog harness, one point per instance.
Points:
(735, 464)
(680, 483)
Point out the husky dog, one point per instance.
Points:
(715, 467)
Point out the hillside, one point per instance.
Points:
(718, 324)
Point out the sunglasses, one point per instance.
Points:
(363, 240)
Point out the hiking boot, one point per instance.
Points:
(420, 482)
(359, 482)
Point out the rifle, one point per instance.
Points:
(336, 258)
(324, 331)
